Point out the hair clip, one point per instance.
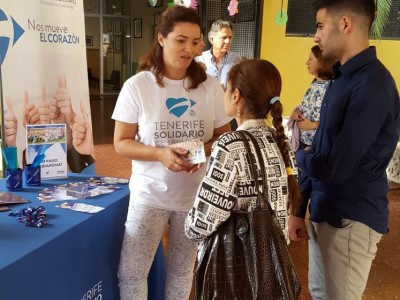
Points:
(289, 171)
(274, 99)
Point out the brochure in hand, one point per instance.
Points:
(196, 153)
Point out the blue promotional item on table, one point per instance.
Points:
(32, 175)
(10, 155)
(30, 216)
(13, 179)
(78, 190)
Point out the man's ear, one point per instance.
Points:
(346, 23)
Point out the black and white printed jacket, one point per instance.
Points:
(228, 184)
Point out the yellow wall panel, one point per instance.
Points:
(289, 55)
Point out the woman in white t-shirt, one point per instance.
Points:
(170, 100)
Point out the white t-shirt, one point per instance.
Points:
(167, 116)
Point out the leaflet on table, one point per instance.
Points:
(11, 198)
(82, 207)
(196, 153)
(66, 192)
(94, 186)
(49, 141)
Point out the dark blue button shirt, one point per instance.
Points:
(356, 138)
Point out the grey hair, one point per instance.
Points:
(217, 26)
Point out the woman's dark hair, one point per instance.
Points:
(325, 71)
(258, 82)
(153, 59)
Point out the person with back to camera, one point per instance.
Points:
(356, 138)
(219, 59)
(253, 89)
(306, 116)
(171, 99)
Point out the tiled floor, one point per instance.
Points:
(384, 280)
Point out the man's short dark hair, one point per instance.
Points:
(366, 8)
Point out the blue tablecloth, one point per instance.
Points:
(75, 256)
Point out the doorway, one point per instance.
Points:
(108, 45)
(116, 53)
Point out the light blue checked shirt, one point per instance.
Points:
(229, 60)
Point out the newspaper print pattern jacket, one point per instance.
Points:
(228, 184)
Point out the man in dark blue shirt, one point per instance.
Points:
(356, 138)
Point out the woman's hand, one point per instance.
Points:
(170, 158)
(306, 124)
(297, 229)
(195, 168)
(297, 115)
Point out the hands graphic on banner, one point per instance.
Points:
(81, 137)
(50, 113)
(58, 110)
(62, 105)
(44, 109)
(31, 112)
(10, 124)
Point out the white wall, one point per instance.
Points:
(93, 30)
(140, 9)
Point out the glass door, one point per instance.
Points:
(116, 47)
(93, 50)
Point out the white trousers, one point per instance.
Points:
(144, 229)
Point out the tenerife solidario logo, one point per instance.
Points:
(178, 106)
(17, 32)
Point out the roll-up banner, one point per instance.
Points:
(44, 76)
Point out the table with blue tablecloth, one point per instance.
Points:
(74, 256)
